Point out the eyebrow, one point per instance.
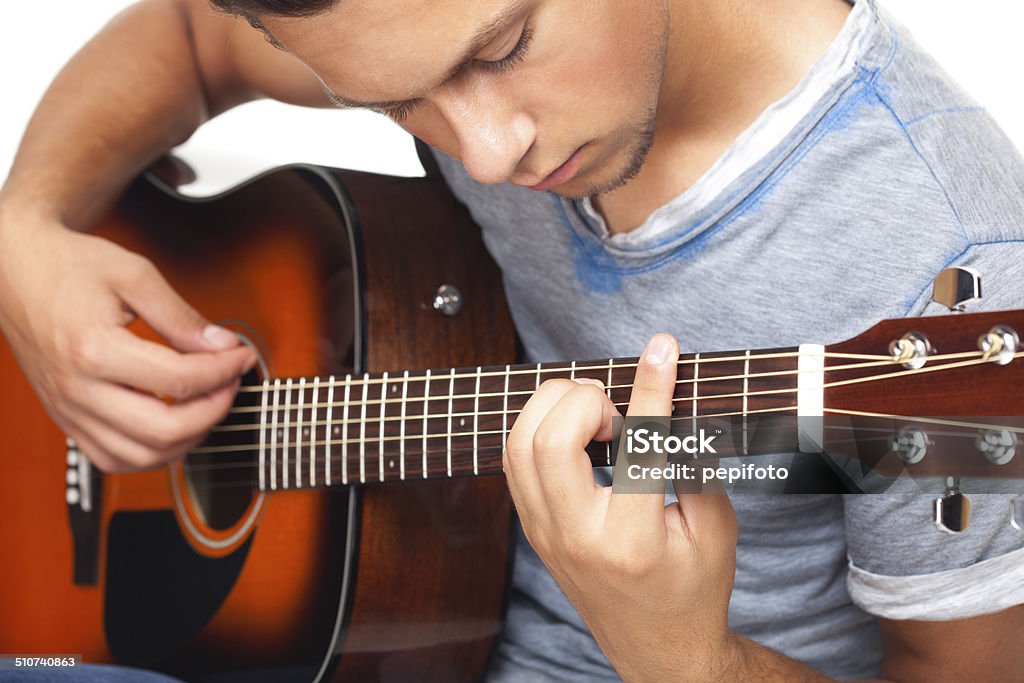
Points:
(481, 37)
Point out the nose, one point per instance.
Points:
(492, 133)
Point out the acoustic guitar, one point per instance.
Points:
(335, 526)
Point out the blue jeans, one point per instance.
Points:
(86, 673)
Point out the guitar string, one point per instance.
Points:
(885, 434)
(787, 429)
(842, 382)
(596, 460)
(679, 382)
(686, 400)
(602, 366)
(379, 438)
(525, 392)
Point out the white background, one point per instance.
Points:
(978, 41)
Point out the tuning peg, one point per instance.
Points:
(1017, 513)
(956, 287)
(953, 510)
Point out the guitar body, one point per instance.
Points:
(325, 272)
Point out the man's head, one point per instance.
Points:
(557, 94)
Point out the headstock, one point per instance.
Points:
(948, 390)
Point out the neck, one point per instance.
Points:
(342, 430)
(727, 61)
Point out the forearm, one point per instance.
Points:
(750, 661)
(129, 95)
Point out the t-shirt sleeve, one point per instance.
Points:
(901, 566)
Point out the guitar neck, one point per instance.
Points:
(380, 427)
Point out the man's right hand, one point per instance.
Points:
(65, 301)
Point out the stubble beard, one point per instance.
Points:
(636, 155)
(643, 139)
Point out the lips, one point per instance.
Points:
(563, 173)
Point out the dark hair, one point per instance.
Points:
(252, 9)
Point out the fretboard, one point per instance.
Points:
(382, 427)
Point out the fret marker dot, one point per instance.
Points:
(391, 464)
(394, 389)
(305, 432)
(280, 433)
(462, 422)
(337, 430)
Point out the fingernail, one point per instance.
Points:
(218, 337)
(587, 380)
(658, 349)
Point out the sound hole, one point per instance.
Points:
(222, 478)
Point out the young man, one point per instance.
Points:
(739, 174)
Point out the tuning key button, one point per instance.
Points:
(952, 512)
(911, 445)
(1017, 513)
(998, 446)
(954, 288)
(911, 350)
(1000, 345)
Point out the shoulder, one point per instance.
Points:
(977, 167)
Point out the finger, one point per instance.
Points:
(518, 458)
(126, 359)
(653, 389)
(166, 430)
(566, 475)
(150, 296)
(108, 449)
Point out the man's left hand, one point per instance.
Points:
(652, 582)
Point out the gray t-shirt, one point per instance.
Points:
(892, 175)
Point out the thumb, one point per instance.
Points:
(153, 299)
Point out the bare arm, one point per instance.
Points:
(154, 74)
(141, 86)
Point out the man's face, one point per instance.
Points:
(550, 94)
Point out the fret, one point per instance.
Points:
(608, 388)
(312, 441)
(284, 448)
(329, 431)
(504, 405)
(401, 436)
(746, 392)
(572, 371)
(362, 432)
(344, 431)
(426, 411)
(273, 437)
(476, 421)
(298, 433)
(537, 384)
(263, 437)
(451, 396)
(380, 435)
(696, 380)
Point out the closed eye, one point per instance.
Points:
(515, 55)
(401, 111)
